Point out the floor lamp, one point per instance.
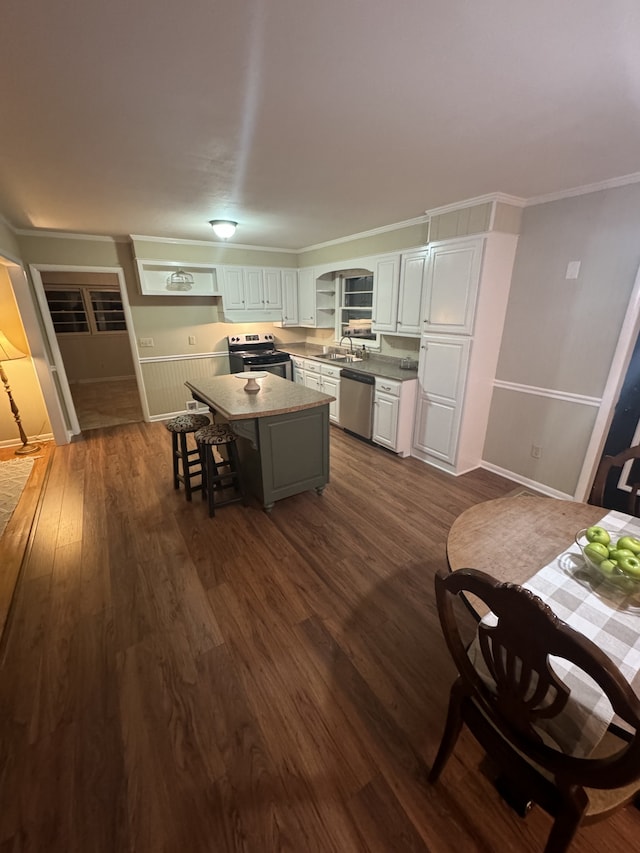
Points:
(10, 353)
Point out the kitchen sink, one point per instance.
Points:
(339, 356)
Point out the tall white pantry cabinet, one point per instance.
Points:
(464, 302)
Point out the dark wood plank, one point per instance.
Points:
(250, 682)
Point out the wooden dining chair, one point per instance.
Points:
(509, 699)
(609, 463)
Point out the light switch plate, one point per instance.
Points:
(573, 269)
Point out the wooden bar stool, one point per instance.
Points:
(218, 477)
(186, 463)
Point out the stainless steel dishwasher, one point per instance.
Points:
(356, 402)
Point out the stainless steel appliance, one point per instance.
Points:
(356, 402)
(258, 351)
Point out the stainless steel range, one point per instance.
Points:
(258, 352)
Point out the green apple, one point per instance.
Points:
(629, 543)
(617, 554)
(598, 534)
(596, 551)
(607, 567)
(630, 566)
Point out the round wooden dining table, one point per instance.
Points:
(511, 538)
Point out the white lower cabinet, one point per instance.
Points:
(331, 385)
(320, 377)
(442, 374)
(298, 369)
(393, 409)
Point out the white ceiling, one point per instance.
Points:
(305, 120)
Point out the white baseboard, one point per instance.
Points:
(525, 481)
(33, 439)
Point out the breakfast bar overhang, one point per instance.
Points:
(282, 432)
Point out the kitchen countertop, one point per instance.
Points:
(226, 395)
(375, 365)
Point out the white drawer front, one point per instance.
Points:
(330, 370)
(312, 366)
(388, 386)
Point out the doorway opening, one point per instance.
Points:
(87, 317)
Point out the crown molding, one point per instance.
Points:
(4, 221)
(503, 198)
(65, 235)
(499, 197)
(418, 220)
(176, 241)
(610, 183)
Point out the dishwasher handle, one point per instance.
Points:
(355, 376)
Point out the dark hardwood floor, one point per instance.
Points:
(251, 682)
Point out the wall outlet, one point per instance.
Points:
(192, 340)
(146, 342)
(192, 405)
(536, 451)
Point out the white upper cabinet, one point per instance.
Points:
(398, 294)
(385, 286)
(290, 311)
(307, 296)
(451, 285)
(233, 288)
(272, 289)
(254, 291)
(412, 271)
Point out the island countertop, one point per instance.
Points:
(226, 395)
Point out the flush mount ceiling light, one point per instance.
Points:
(224, 228)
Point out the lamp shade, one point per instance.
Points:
(7, 350)
(224, 228)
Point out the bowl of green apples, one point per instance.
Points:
(612, 559)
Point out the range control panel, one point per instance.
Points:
(236, 340)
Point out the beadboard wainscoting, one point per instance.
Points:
(164, 377)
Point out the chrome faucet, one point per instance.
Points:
(350, 339)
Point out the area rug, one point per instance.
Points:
(13, 476)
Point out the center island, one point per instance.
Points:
(282, 432)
